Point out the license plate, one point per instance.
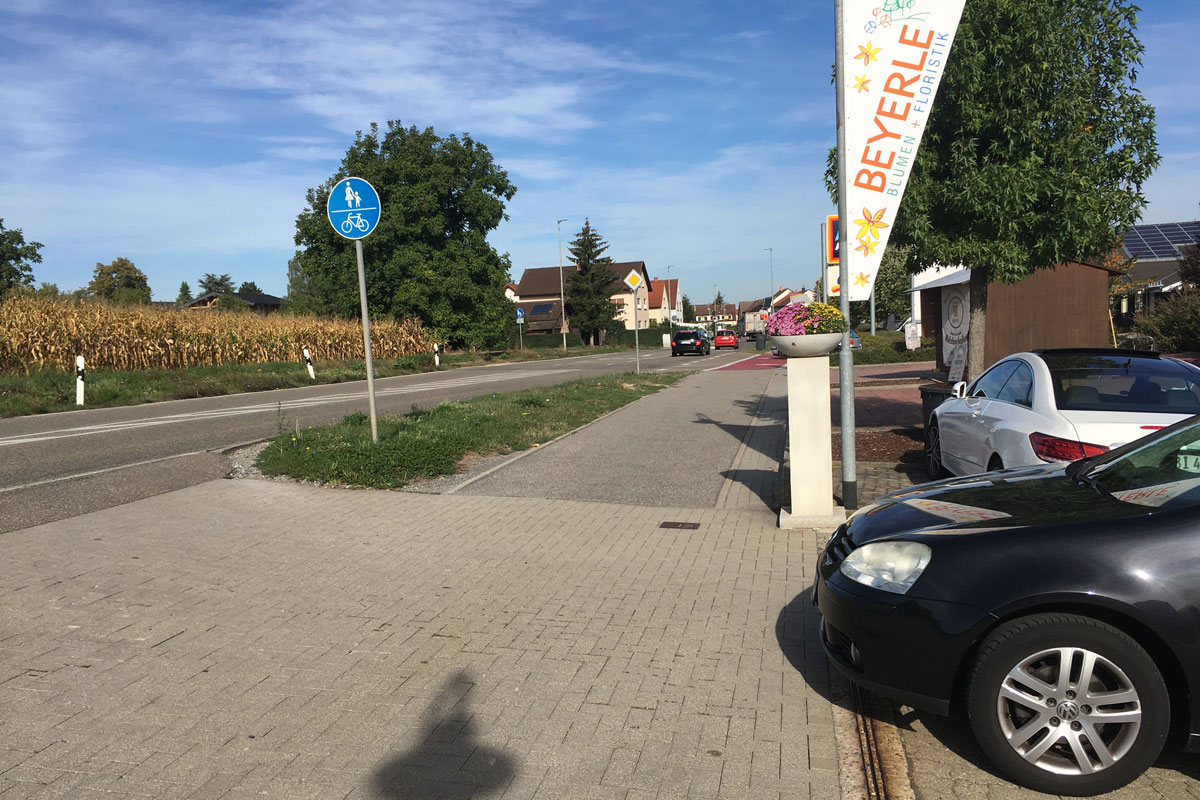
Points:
(1188, 462)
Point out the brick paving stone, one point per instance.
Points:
(307, 642)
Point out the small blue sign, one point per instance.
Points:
(520, 313)
(353, 208)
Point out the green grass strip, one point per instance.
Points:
(425, 444)
(43, 390)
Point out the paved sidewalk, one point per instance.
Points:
(715, 439)
(244, 639)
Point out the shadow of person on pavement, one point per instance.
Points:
(450, 761)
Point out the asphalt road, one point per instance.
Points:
(55, 466)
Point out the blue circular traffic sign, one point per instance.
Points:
(520, 313)
(353, 208)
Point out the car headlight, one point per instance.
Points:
(890, 566)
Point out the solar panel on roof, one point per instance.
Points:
(1160, 240)
(541, 308)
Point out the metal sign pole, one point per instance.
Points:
(637, 351)
(366, 325)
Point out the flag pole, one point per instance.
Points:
(846, 358)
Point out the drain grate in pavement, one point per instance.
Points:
(686, 526)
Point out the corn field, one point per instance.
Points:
(37, 332)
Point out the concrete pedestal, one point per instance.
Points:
(810, 462)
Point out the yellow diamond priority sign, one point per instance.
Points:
(633, 280)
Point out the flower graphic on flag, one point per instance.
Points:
(867, 246)
(871, 224)
(860, 83)
(867, 53)
(862, 279)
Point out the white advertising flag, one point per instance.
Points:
(893, 55)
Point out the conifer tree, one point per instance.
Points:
(185, 294)
(590, 288)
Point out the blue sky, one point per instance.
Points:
(183, 135)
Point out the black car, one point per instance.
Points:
(689, 342)
(1059, 603)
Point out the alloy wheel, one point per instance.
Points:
(933, 452)
(1069, 711)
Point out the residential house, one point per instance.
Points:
(540, 285)
(623, 296)
(724, 315)
(665, 301)
(1155, 272)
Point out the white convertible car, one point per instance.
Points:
(1057, 405)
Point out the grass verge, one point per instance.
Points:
(43, 391)
(433, 442)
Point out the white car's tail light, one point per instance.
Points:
(1054, 448)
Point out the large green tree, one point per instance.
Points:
(429, 256)
(120, 282)
(1037, 145)
(217, 284)
(16, 259)
(185, 294)
(689, 310)
(249, 287)
(590, 287)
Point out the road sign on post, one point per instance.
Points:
(353, 209)
(521, 328)
(633, 280)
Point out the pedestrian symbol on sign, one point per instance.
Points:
(353, 208)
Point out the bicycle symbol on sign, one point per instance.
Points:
(354, 221)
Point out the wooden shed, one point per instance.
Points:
(1062, 306)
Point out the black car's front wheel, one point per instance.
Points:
(1066, 704)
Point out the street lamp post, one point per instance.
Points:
(713, 315)
(771, 294)
(771, 250)
(562, 295)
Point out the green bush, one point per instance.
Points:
(1175, 326)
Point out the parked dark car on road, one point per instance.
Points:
(689, 342)
(1060, 603)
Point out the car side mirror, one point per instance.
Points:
(959, 390)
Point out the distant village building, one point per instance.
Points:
(253, 300)
(540, 286)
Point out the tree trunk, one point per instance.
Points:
(975, 338)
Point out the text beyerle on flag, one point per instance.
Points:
(893, 55)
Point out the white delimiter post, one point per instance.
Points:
(78, 380)
(809, 459)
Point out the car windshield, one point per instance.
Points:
(1162, 473)
(1111, 382)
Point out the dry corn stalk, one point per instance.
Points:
(36, 332)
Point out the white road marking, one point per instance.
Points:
(731, 363)
(98, 471)
(261, 408)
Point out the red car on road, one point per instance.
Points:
(725, 339)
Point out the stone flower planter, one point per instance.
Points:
(809, 346)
